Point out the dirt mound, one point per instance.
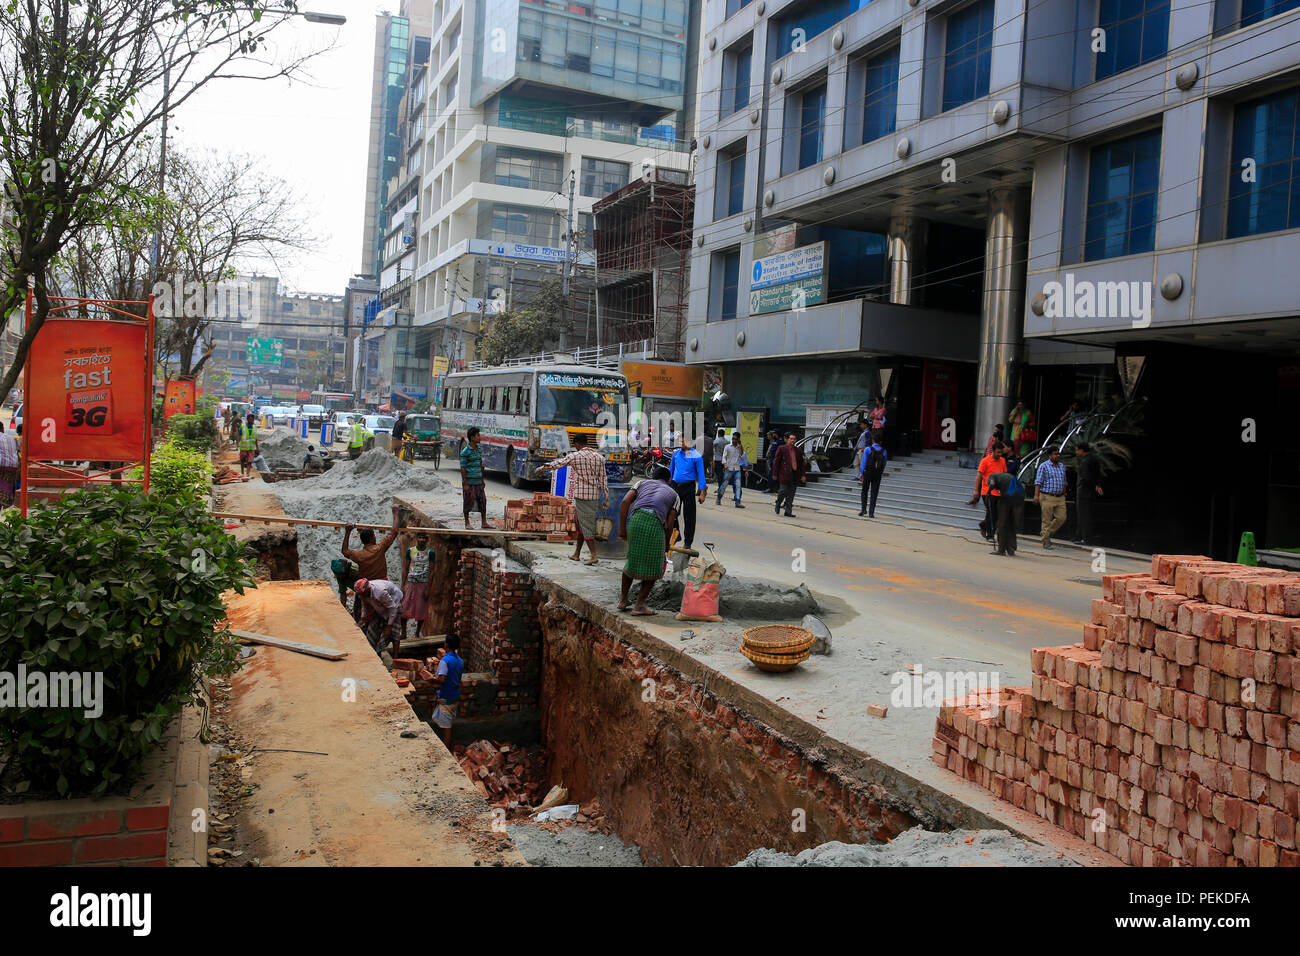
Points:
(917, 847)
(375, 473)
(283, 449)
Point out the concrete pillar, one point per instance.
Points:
(1002, 317)
(907, 240)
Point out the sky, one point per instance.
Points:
(311, 132)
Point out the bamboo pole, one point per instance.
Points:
(316, 523)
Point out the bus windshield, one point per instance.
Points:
(565, 398)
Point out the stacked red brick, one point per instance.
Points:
(496, 618)
(542, 512)
(1171, 734)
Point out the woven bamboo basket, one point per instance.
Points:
(777, 638)
(775, 663)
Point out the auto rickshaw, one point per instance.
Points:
(423, 438)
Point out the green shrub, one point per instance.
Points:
(118, 583)
(177, 470)
(192, 431)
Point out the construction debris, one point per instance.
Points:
(225, 475)
(541, 512)
(508, 777)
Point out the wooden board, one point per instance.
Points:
(313, 650)
(316, 523)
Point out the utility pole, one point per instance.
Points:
(566, 311)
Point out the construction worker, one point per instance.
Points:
(357, 438)
(247, 444)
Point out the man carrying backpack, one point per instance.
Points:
(871, 471)
(1011, 508)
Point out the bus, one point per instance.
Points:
(528, 415)
(333, 401)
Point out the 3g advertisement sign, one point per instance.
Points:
(87, 391)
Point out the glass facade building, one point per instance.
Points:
(1123, 187)
(397, 45)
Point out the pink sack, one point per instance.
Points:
(700, 596)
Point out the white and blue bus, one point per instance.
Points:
(527, 415)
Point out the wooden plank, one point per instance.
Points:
(313, 650)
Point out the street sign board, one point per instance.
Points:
(265, 351)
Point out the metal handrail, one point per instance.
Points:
(831, 426)
(1035, 457)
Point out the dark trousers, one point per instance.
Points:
(717, 474)
(989, 526)
(1010, 512)
(870, 491)
(686, 491)
(785, 496)
(1084, 500)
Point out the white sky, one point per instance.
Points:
(312, 132)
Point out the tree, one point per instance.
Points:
(83, 84)
(525, 331)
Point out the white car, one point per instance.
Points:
(380, 424)
(16, 422)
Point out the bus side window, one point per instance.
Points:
(526, 395)
(453, 398)
(492, 398)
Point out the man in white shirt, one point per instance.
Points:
(734, 467)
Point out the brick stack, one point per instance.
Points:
(496, 618)
(542, 512)
(506, 776)
(1170, 735)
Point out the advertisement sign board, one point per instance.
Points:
(179, 398)
(659, 380)
(86, 397)
(804, 262)
(265, 351)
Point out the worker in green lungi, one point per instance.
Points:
(645, 516)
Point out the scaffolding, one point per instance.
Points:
(642, 275)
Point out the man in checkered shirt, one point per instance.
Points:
(587, 488)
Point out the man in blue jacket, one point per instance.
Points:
(870, 472)
(690, 482)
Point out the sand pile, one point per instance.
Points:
(283, 449)
(917, 847)
(359, 492)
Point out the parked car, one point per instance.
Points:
(16, 422)
(380, 424)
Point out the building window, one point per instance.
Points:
(812, 122)
(731, 180)
(1253, 11)
(968, 52)
(881, 98)
(527, 169)
(730, 279)
(811, 20)
(1123, 182)
(735, 6)
(735, 80)
(1136, 32)
(600, 177)
(1264, 131)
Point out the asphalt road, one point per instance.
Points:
(936, 586)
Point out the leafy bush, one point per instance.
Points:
(116, 583)
(177, 470)
(192, 431)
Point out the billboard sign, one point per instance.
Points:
(787, 295)
(180, 398)
(804, 262)
(87, 401)
(265, 351)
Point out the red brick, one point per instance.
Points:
(92, 823)
(49, 853)
(125, 846)
(148, 818)
(11, 829)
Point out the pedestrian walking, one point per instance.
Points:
(734, 467)
(1049, 495)
(1087, 489)
(382, 612)
(587, 488)
(994, 439)
(860, 447)
(1011, 509)
(9, 468)
(871, 471)
(417, 562)
(788, 465)
(644, 517)
(446, 678)
(990, 464)
(399, 429)
(773, 444)
(247, 444)
(690, 483)
(473, 492)
(719, 448)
